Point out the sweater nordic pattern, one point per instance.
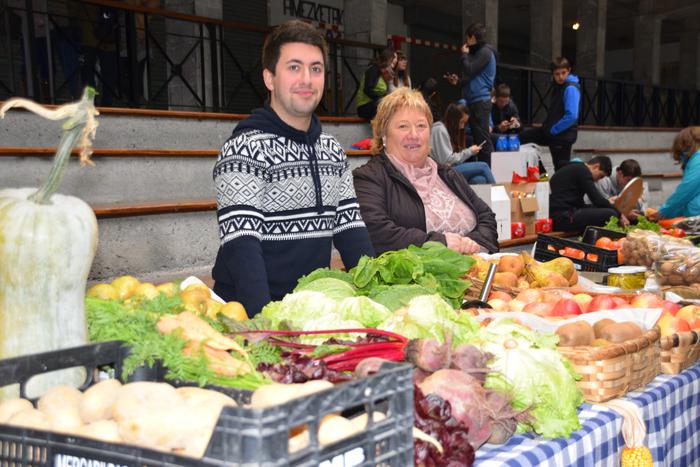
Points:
(265, 189)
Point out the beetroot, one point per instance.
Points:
(486, 413)
(428, 354)
(466, 397)
(433, 416)
(369, 366)
(471, 360)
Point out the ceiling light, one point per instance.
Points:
(575, 26)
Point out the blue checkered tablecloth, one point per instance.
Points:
(670, 406)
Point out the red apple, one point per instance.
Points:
(665, 323)
(551, 297)
(680, 325)
(529, 295)
(671, 307)
(498, 305)
(583, 300)
(601, 302)
(694, 322)
(566, 306)
(687, 312)
(647, 300)
(620, 302)
(539, 308)
(501, 295)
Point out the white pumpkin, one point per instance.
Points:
(47, 244)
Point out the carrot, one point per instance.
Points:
(668, 223)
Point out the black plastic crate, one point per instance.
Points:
(242, 436)
(606, 258)
(592, 234)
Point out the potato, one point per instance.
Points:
(179, 426)
(65, 420)
(10, 407)
(61, 405)
(98, 401)
(621, 332)
(30, 418)
(575, 334)
(599, 325)
(276, 394)
(298, 442)
(104, 430)
(359, 423)
(333, 428)
(59, 397)
(134, 397)
(194, 395)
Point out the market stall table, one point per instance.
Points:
(670, 406)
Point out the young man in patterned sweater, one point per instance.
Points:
(284, 190)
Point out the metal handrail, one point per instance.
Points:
(223, 79)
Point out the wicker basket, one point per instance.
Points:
(613, 371)
(474, 289)
(679, 351)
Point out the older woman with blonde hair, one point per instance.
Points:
(405, 197)
(685, 200)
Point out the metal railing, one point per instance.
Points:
(153, 58)
(604, 102)
(145, 57)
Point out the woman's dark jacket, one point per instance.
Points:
(394, 214)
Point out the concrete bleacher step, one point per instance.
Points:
(651, 160)
(152, 186)
(133, 128)
(158, 247)
(124, 175)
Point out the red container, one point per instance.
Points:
(543, 225)
(517, 230)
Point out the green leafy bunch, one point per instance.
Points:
(135, 324)
(432, 266)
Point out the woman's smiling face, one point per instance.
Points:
(407, 136)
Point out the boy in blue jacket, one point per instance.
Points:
(560, 129)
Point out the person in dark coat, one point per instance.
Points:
(568, 186)
(406, 198)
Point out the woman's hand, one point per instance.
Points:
(475, 148)
(454, 241)
(469, 246)
(460, 244)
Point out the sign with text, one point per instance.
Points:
(326, 14)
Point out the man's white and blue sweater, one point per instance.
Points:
(284, 197)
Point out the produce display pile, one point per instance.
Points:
(476, 380)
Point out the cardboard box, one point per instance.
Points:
(529, 202)
(500, 205)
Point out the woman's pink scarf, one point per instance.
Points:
(444, 211)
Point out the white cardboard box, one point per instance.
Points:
(503, 164)
(500, 205)
(542, 195)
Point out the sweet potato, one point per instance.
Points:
(575, 334)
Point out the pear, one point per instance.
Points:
(563, 266)
(573, 280)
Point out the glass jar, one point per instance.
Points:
(627, 277)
